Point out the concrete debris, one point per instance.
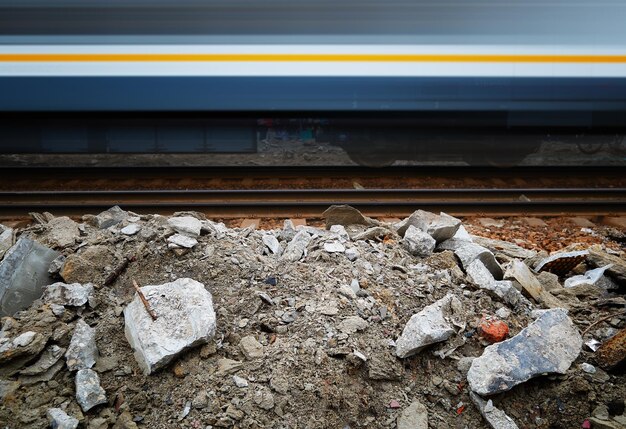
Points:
(16, 353)
(48, 358)
(187, 225)
(352, 253)
(74, 294)
(503, 289)
(271, 242)
(131, 229)
(180, 240)
(496, 418)
(6, 239)
(88, 390)
(593, 277)
(23, 273)
(185, 319)
(440, 227)
(588, 368)
(561, 263)
(352, 324)
(82, 352)
(334, 247)
(251, 348)
(62, 232)
(345, 215)
(83, 267)
(240, 381)
(24, 339)
(228, 366)
(374, 233)
(435, 323)
(415, 416)
(549, 281)
(612, 352)
(60, 420)
(504, 247)
(110, 217)
(56, 265)
(468, 252)
(341, 233)
(520, 272)
(548, 345)
(297, 247)
(418, 242)
(383, 366)
(617, 269)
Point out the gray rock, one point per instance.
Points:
(593, 277)
(6, 239)
(415, 416)
(110, 217)
(345, 215)
(297, 247)
(520, 272)
(264, 398)
(617, 271)
(131, 229)
(440, 227)
(435, 323)
(548, 345)
(24, 339)
(463, 365)
(48, 358)
(496, 418)
(352, 324)
(504, 247)
(74, 294)
(549, 281)
(478, 274)
(56, 265)
(185, 319)
(180, 240)
(60, 420)
(288, 231)
(418, 242)
(334, 247)
(23, 273)
(341, 233)
(251, 348)
(186, 225)
(468, 252)
(62, 232)
(352, 253)
(82, 352)
(89, 393)
(49, 374)
(271, 243)
(240, 381)
(567, 261)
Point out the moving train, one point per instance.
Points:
(391, 79)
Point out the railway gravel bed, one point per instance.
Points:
(311, 324)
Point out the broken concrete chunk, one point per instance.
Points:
(6, 239)
(593, 277)
(24, 339)
(341, 233)
(617, 270)
(23, 273)
(271, 243)
(187, 225)
(520, 272)
(548, 345)
(82, 352)
(431, 325)
(48, 358)
(371, 234)
(185, 319)
(56, 265)
(561, 263)
(131, 229)
(110, 217)
(62, 232)
(612, 352)
(60, 420)
(251, 348)
(478, 274)
(14, 355)
(352, 324)
(297, 246)
(180, 240)
(418, 242)
(468, 252)
(74, 294)
(496, 418)
(89, 393)
(334, 247)
(440, 227)
(345, 215)
(504, 247)
(415, 416)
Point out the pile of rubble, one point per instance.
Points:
(127, 321)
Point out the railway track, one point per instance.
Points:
(269, 194)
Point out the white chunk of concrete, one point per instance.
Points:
(185, 319)
(186, 225)
(418, 242)
(82, 352)
(74, 294)
(180, 240)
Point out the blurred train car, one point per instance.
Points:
(392, 80)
